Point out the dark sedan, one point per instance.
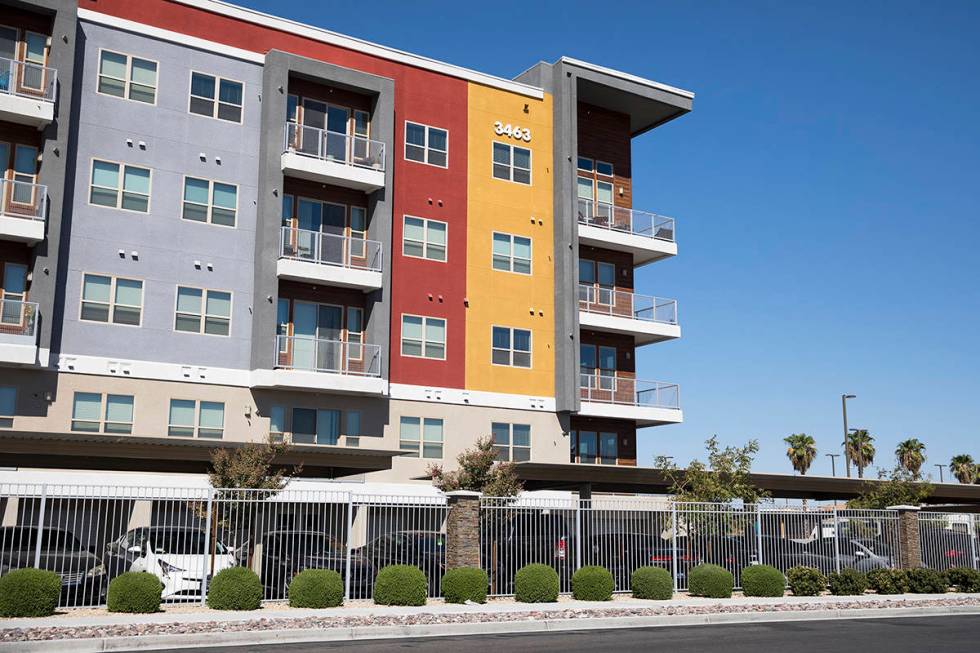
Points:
(286, 553)
(83, 580)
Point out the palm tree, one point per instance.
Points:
(911, 455)
(963, 468)
(801, 452)
(859, 449)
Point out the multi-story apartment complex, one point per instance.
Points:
(218, 224)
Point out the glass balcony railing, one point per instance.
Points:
(622, 303)
(310, 354)
(629, 221)
(27, 79)
(330, 249)
(21, 199)
(611, 388)
(17, 318)
(334, 147)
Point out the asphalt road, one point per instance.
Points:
(912, 635)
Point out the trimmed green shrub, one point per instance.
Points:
(963, 579)
(316, 588)
(927, 581)
(29, 592)
(135, 591)
(763, 580)
(235, 588)
(806, 581)
(400, 585)
(536, 583)
(465, 584)
(710, 581)
(592, 584)
(888, 581)
(652, 583)
(849, 582)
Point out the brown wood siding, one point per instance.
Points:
(324, 192)
(26, 20)
(625, 432)
(625, 349)
(622, 260)
(330, 94)
(605, 136)
(308, 292)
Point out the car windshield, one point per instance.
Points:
(304, 543)
(180, 542)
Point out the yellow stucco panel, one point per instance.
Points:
(510, 299)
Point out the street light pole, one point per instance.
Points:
(833, 463)
(843, 408)
(940, 466)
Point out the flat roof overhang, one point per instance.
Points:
(646, 480)
(98, 451)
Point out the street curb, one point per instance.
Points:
(360, 633)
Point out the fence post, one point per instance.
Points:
(758, 531)
(578, 533)
(673, 542)
(350, 544)
(40, 525)
(836, 541)
(909, 546)
(208, 516)
(463, 529)
(973, 541)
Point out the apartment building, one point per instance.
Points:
(219, 225)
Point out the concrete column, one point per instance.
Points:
(463, 530)
(910, 553)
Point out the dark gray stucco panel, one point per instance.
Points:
(275, 88)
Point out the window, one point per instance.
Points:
(423, 337)
(111, 299)
(190, 418)
(423, 238)
(8, 406)
(511, 253)
(89, 414)
(203, 311)
(512, 442)
(422, 436)
(353, 431)
(592, 447)
(313, 426)
(512, 163)
(120, 186)
(225, 104)
(210, 201)
(277, 423)
(511, 347)
(603, 168)
(127, 77)
(426, 144)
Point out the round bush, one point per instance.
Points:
(926, 581)
(29, 592)
(806, 581)
(711, 581)
(465, 584)
(400, 585)
(652, 583)
(235, 588)
(963, 579)
(849, 582)
(763, 580)
(888, 581)
(592, 584)
(135, 591)
(316, 588)
(536, 583)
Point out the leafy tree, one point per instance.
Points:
(251, 467)
(725, 478)
(911, 455)
(801, 452)
(859, 449)
(963, 468)
(900, 487)
(479, 470)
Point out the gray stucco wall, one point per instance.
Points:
(167, 246)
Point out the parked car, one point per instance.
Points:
(286, 553)
(83, 578)
(623, 553)
(178, 556)
(949, 549)
(860, 554)
(423, 549)
(529, 537)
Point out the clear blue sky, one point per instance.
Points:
(826, 189)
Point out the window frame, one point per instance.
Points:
(511, 350)
(510, 446)
(112, 300)
(426, 147)
(423, 341)
(420, 443)
(196, 426)
(217, 94)
(203, 315)
(210, 205)
(425, 239)
(511, 257)
(103, 420)
(7, 420)
(122, 186)
(127, 82)
(510, 164)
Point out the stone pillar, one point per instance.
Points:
(463, 529)
(910, 552)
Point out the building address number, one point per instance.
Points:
(520, 133)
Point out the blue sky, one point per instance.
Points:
(826, 189)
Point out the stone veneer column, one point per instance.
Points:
(910, 553)
(463, 529)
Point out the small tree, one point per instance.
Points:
(724, 479)
(963, 468)
(898, 488)
(911, 455)
(480, 471)
(801, 451)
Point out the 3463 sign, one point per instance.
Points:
(520, 133)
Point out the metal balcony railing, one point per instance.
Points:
(327, 356)
(630, 221)
(622, 303)
(330, 249)
(603, 387)
(334, 146)
(21, 199)
(27, 79)
(18, 318)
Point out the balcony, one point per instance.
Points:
(18, 332)
(648, 403)
(27, 92)
(320, 365)
(648, 237)
(333, 158)
(647, 319)
(332, 259)
(23, 207)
